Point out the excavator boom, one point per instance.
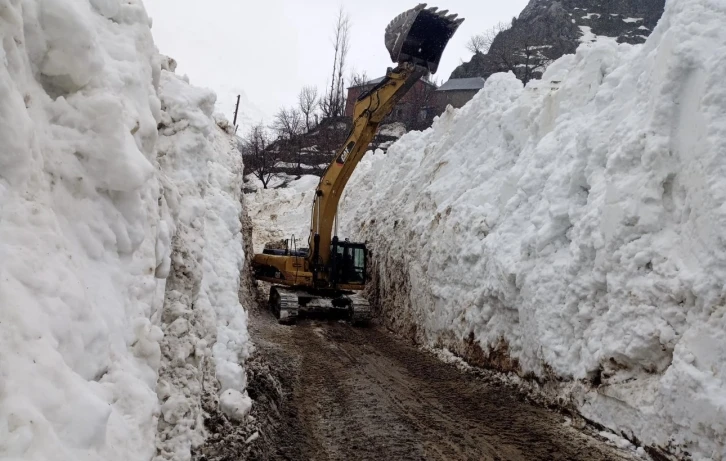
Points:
(416, 40)
(369, 111)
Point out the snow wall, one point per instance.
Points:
(574, 231)
(120, 249)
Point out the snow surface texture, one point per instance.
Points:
(80, 232)
(91, 224)
(278, 214)
(202, 318)
(575, 226)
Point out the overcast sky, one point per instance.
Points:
(269, 49)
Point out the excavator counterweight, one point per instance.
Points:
(327, 275)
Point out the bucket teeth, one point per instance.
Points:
(420, 35)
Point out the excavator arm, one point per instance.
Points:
(370, 109)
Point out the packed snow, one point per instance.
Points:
(91, 226)
(587, 34)
(574, 226)
(281, 213)
(204, 345)
(294, 165)
(396, 129)
(81, 238)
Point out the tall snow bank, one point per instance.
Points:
(92, 223)
(81, 238)
(574, 229)
(205, 327)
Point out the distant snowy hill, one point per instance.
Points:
(558, 27)
(573, 230)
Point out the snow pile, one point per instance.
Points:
(396, 130)
(205, 327)
(574, 229)
(91, 225)
(278, 214)
(80, 233)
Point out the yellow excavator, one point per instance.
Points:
(328, 275)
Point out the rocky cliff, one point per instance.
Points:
(548, 29)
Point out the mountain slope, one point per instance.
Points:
(557, 27)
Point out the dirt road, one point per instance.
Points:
(346, 393)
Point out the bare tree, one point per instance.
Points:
(288, 123)
(487, 38)
(519, 50)
(308, 103)
(333, 103)
(259, 158)
(289, 126)
(344, 49)
(533, 61)
(477, 44)
(330, 137)
(358, 78)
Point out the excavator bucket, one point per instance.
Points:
(420, 35)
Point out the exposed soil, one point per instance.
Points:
(325, 390)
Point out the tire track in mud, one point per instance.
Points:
(363, 394)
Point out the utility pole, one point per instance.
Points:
(236, 109)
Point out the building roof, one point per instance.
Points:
(463, 84)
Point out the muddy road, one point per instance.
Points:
(347, 393)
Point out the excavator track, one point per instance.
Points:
(284, 304)
(361, 310)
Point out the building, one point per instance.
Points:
(457, 92)
(424, 100)
(417, 98)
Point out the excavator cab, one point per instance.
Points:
(348, 263)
